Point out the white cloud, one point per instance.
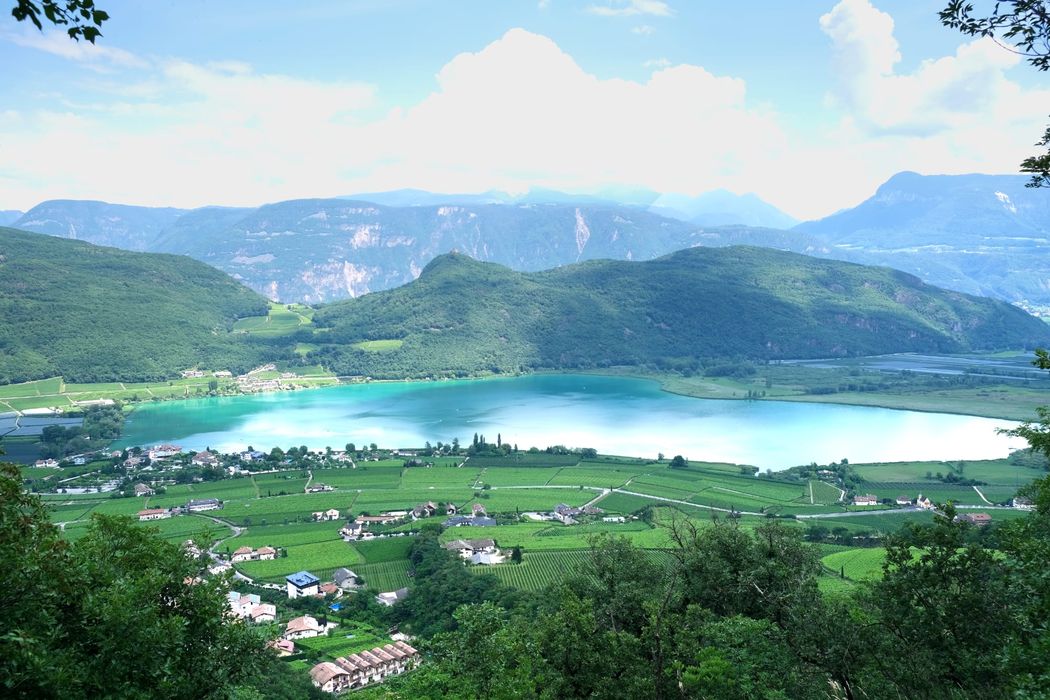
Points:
(630, 8)
(59, 44)
(643, 29)
(656, 63)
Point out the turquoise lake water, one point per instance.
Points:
(615, 415)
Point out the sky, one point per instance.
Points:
(809, 104)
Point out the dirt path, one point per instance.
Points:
(982, 496)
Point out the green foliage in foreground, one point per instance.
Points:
(117, 614)
(466, 317)
(734, 614)
(95, 314)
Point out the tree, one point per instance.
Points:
(81, 17)
(1023, 27)
(118, 613)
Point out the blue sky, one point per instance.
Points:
(810, 104)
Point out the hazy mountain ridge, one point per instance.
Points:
(463, 316)
(983, 234)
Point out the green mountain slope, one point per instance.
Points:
(101, 314)
(462, 316)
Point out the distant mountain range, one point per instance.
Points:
(980, 234)
(317, 250)
(462, 316)
(8, 216)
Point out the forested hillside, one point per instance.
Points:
(462, 316)
(99, 314)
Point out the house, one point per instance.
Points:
(203, 504)
(330, 514)
(263, 612)
(978, 519)
(924, 503)
(391, 597)
(566, 514)
(903, 500)
(351, 531)
(302, 584)
(451, 509)
(865, 500)
(204, 459)
(222, 373)
(46, 463)
(154, 514)
(1022, 504)
(331, 589)
(242, 554)
(487, 558)
(132, 462)
(143, 490)
(477, 509)
(469, 520)
(283, 647)
(614, 519)
(241, 604)
(265, 553)
(252, 456)
(424, 510)
(305, 627)
(330, 678)
(345, 578)
(467, 548)
(319, 488)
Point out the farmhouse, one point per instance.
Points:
(247, 606)
(424, 510)
(866, 500)
(614, 519)
(319, 488)
(154, 514)
(222, 373)
(199, 505)
(364, 668)
(477, 509)
(1022, 504)
(924, 503)
(468, 548)
(305, 627)
(903, 500)
(345, 578)
(351, 531)
(283, 647)
(46, 463)
(143, 490)
(265, 553)
(302, 584)
(325, 515)
(978, 519)
(249, 554)
(242, 554)
(331, 589)
(391, 597)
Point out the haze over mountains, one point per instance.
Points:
(980, 234)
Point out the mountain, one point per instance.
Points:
(983, 234)
(422, 198)
(317, 250)
(722, 207)
(101, 223)
(95, 314)
(462, 316)
(8, 216)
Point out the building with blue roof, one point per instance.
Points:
(302, 584)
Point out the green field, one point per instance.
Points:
(379, 345)
(857, 564)
(280, 320)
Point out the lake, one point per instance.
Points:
(615, 415)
